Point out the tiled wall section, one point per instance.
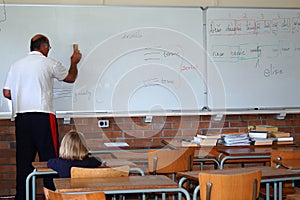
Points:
(135, 131)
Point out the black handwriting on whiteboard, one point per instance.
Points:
(272, 71)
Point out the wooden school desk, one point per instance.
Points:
(40, 169)
(142, 157)
(252, 153)
(121, 185)
(235, 154)
(101, 148)
(202, 154)
(269, 175)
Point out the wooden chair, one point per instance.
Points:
(168, 161)
(78, 172)
(52, 195)
(286, 154)
(237, 186)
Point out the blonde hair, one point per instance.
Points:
(73, 147)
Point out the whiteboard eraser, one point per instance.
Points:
(75, 47)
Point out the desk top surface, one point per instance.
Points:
(101, 147)
(267, 172)
(113, 183)
(177, 143)
(42, 166)
(118, 162)
(143, 156)
(132, 156)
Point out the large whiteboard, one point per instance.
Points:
(254, 57)
(135, 59)
(162, 59)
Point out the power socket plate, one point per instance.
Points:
(103, 123)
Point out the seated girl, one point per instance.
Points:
(72, 153)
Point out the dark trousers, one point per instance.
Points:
(35, 133)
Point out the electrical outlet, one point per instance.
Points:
(103, 123)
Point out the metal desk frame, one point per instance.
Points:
(178, 190)
(202, 160)
(143, 189)
(32, 177)
(223, 160)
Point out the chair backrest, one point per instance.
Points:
(277, 154)
(237, 186)
(51, 195)
(170, 161)
(78, 172)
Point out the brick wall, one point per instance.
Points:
(135, 132)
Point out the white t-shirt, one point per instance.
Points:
(30, 81)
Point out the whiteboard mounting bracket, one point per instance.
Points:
(281, 115)
(148, 119)
(67, 120)
(217, 117)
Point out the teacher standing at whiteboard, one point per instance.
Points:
(29, 85)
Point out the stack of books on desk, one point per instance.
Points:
(266, 128)
(207, 140)
(279, 134)
(262, 141)
(258, 134)
(271, 133)
(260, 137)
(281, 137)
(237, 139)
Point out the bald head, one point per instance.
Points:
(36, 37)
(37, 41)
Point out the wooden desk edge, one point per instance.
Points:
(41, 167)
(162, 182)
